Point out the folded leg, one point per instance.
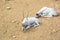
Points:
(27, 27)
(36, 24)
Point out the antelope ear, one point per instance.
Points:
(22, 16)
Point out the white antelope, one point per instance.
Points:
(29, 22)
(46, 12)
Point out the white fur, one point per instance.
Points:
(47, 12)
(29, 22)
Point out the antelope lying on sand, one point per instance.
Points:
(29, 22)
(46, 12)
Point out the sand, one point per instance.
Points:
(11, 15)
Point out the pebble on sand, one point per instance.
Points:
(8, 8)
(13, 21)
(54, 30)
(14, 36)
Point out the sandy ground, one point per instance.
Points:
(10, 20)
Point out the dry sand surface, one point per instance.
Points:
(11, 15)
